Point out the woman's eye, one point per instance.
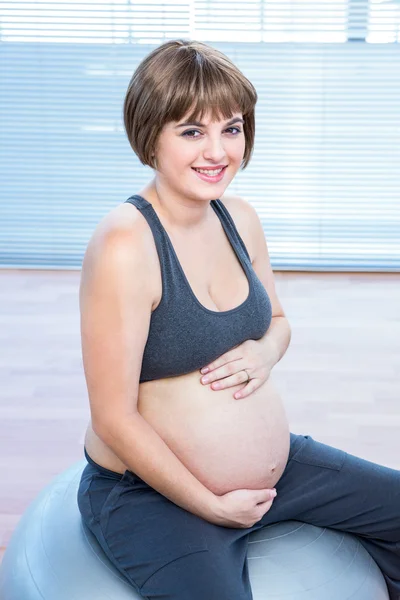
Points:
(186, 133)
(236, 129)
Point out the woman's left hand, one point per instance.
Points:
(232, 368)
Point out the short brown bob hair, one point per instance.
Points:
(179, 75)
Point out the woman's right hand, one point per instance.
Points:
(242, 508)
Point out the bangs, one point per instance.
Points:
(202, 88)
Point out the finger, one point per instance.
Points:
(242, 393)
(231, 369)
(265, 495)
(229, 381)
(235, 353)
(246, 390)
(267, 506)
(269, 502)
(217, 374)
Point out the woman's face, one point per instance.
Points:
(182, 148)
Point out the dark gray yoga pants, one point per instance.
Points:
(167, 552)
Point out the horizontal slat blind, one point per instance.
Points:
(324, 176)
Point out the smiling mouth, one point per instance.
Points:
(211, 172)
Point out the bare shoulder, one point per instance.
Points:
(124, 235)
(245, 218)
(123, 222)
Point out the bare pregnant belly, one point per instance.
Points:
(226, 443)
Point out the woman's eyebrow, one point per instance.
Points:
(198, 124)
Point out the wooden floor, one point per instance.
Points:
(340, 378)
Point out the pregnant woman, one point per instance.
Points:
(175, 279)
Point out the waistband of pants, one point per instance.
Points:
(296, 442)
(108, 472)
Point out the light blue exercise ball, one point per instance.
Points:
(53, 556)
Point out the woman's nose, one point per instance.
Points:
(214, 150)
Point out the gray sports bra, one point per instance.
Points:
(184, 335)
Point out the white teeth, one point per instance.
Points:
(211, 173)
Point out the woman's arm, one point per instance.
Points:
(116, 298)
(140, 447)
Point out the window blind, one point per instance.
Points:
(324, 177)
